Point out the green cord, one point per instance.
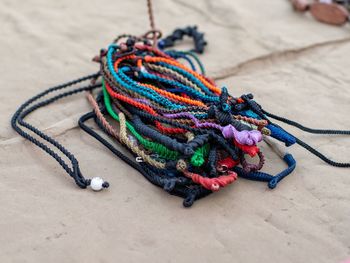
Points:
(149, 145)
(197, 158)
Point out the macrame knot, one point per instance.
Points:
(242, 137)
(189, 200)
(169, 184)
(253, 105)
(250, 167)
(181, 165)
(105, 185)
(265, 131)
(224, 118)
(225, 107)
(212, 184)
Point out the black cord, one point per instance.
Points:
(306, 129)
(313, 131)
(175, 186)
(179, 33)
(18, 120)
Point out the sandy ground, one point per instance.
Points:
(294, 66)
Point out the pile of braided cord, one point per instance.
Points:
(159, 112)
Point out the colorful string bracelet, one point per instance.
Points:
(157, 111)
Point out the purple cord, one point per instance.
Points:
(242, 137)
(144, 101)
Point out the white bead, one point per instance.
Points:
(96, 183)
